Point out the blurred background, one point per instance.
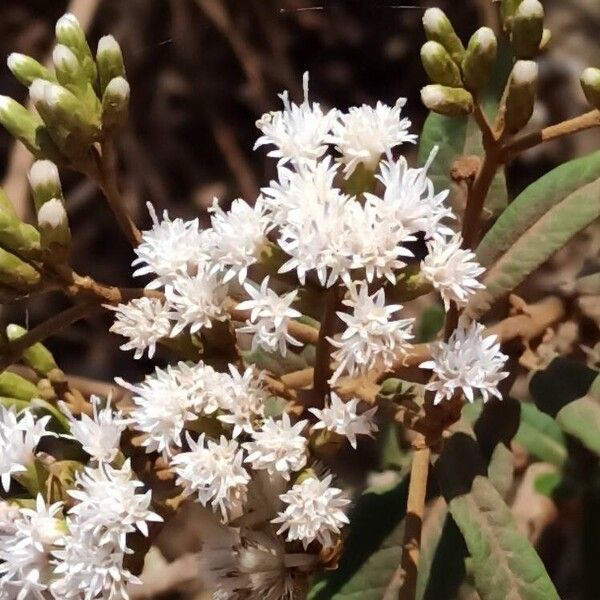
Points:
(203, 71)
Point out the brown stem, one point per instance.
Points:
(14, 350)
(415, 508)
(107, 181)
(322, 372)
(529, 140)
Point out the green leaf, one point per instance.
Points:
(541, 436)
(456, 137)
(581, 419)
(372, 550)
(503, 562)
(431, 322)
(538, 222)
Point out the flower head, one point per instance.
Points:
(313, 512)
(452, 270)
(279, 447)
(469, 361)
(213, 472)
(342, 418)
(365, 133)
(298, 132)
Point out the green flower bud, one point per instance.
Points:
(69, 33)
(38, 357)
(16, 235)
(439, 65)
(590, 83)
(17, 274)
(527, 29)
(521, 95)
(115, 103)
(508, 9)
(452, 102)
(439, 29)
(109, 59)
(479, 58)
(26, 69)
(20, 123)
(44, 182)
(15, 386)
(53, 224)
(6, 204)
(67, 67)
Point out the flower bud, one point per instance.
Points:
(17, 274)
(38, 357)
(16, 235)
(590, 83)
(69, 33)
(439, 29)
(521, 95)
(44, 181)
(53, 224)
(15, 386)
(527, 29)
(439, 65)
(546, 39)
(508, 9)
(452, 102)
(479, 58)
(115, 103)
(20, 123)
(26, 69)
(109, 59)
(67, 67)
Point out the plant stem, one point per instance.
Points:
(322, 372)
(529, 140)
(415, 507)
(107, 181)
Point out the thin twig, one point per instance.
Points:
(322, 373)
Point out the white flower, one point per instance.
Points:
(364, 133)
(145, 321)
(279, 447)
(163, 404)
(100, 435)
(341, 417)
(270, 315)
(19, 437)
(109, 504)
(169, 249)
(8, 515)
(452, 270)
(314, 512)
(298, 132)
(243, 397)
(409, 199)
(236, 561)
(25, 552)
(238, 237)
(371, 334)
(196, 300)
(469, 361)
(89, 568)
(213, 472)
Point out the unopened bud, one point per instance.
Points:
(38, 357)
(20, 123)
(53, 224)
(26, 69)
(521, 95)
(16, 235)
(527, 29)
(109, 59)
(115, 103)
(479, 58)
(508, 9)
(69, 33)
(452, 102)
(13, 385)
(67, 67)
(439, 65)
(44, 181)
(590, 83)
(439, 29)
(6, 204)
(17, 274)
(546, 39)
